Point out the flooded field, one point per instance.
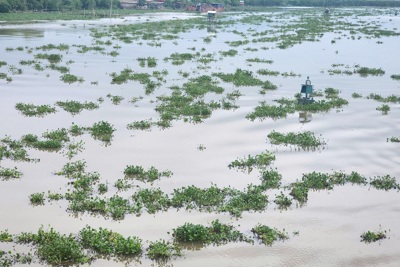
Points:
(158, 126)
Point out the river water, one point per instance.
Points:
(329, 225)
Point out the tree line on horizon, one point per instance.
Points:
(7, 6)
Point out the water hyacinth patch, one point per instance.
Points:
(9, 173)
(75, 107)
(217, 233)
(260, 161)
(31, 110)
(107, 242)
(302, 140)
(55, 248)
(138, 172)
(373, 236)
(385, 182)
(102, 131)
(161, 250)
(268, 235)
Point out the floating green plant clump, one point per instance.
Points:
(70, 78)
(385, 182)
(268, 235)
(107, 242)
(217, 233)
(141, 125)
(371, 236)
(162, 250)
(34, 110)
(394, 139)
(102, 131)
(75, 107)
(395, 76)
(303, 140)
(13, 150)
(9, 173)
(260, 161)
(152, 174)
(55, 248)
(365, 71)
(384, 109)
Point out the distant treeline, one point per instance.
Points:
(64, 5)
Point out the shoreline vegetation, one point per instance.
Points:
(19, 11)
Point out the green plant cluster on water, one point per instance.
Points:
(128, 74)
(303, 140)
(268, 235)
(217, 233)
(286, 106)
(243, 78)
(260, 161)
(8, 259)
(395, 77)
(75, 107)
(139, 173)
(9, 173)
(384, 108)
(13, 150)
(394, 139)
(373, 236)
(34, 110)
(188, 102)
(53, 140)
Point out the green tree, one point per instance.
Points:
(4, 7)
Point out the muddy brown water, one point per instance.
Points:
(329, 224)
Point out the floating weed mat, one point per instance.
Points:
(32, 110)
(75, 107)
(91, 244)
(139, 173)
(13, 150)
(286, 106)
(373, 236)
(9, 173)
(303, 140)
(218, 233)
(260, 161)
(268, 235)
(244, 78)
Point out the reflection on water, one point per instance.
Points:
(26, 33)
(305, 116)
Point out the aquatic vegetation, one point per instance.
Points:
(385, 182)
(74, 148)
(140, 125)
(9, 173)
(365, 71)
(13, 150)
(268, 72)
(373, 236)
(240, 78)
(395, 76)
(268, 235)
(8, 259)
(303, 140)
(76, 130)
(55, 248)
(75, 107)
(37, 199)
(394, 139)
(115, 99)
(356, 95)
(229, 53)
(55, 140)
(107, 242)
(217, 233)
(390, 98)
(282, 201)
(52, 58)
(260, 161)
(259, 60)
(34, 110)
(102, 131)
(70, 78)
(162, 250)
(102, 188)
(152, 174)
(384, 109)
(5, 236)
(270, 179)
(265, 110)
(153, 200)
